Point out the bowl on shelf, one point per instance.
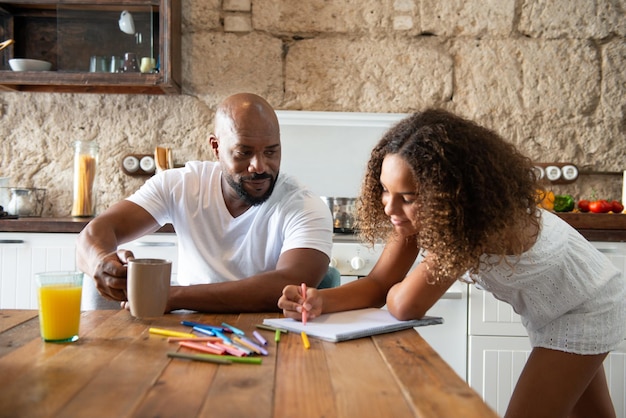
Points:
(25, 64)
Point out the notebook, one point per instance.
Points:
(349, 325)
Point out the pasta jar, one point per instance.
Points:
(85, 164)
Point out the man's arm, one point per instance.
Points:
(258, 293)
(96, 250)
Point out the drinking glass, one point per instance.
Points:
(59, 294)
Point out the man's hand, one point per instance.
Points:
(110, 275)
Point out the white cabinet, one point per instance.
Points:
(498, 345)
(24, 254)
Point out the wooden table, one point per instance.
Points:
(118, 369)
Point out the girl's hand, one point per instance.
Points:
(292, 303)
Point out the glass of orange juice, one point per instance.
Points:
(59, 295)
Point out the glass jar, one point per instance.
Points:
(85, 165)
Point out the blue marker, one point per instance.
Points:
(233, 329)
(223, 337)
(204, 331)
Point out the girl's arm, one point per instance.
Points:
(414, 296)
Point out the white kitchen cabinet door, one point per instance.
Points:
(489, 316)
(24, 254)
(495, 364)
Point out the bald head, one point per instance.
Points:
(246, 142)
(245, 114)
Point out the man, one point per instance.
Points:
(244, 230)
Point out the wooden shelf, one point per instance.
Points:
(67, 32)
(598, 226)
(615, 221)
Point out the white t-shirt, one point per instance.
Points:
(215, 247)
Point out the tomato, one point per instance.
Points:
(600, 206)
(616, 206)
(583, 205)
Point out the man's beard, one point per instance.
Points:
(244, 195)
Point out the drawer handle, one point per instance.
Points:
(452, 295)
(11, 241)
(155, 244)
(608, 250)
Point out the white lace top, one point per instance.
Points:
(569, 295)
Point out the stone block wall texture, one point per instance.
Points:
(546, 74)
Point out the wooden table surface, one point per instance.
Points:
(118, 369)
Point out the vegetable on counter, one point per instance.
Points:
(546, 199)
(616, 206)
(583, 205)
(564, 203)
(600, 206)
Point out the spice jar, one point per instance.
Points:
(85, 164)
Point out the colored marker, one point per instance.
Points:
(205, 331)
(214, 358)
(233, 329)
(169, 333)
(195, 339)
(277, 335)
(205, 326)
(223, 337)
(202, 357)
(205, 348)
(232, 350)
(304, 312)
(268, 328)
(245, 344)
(259, 337)
(305, 340)
(254, 346)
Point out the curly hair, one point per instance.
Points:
(472, 188)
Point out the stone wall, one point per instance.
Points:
(547, 74)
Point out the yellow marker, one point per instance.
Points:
(245, 344)
(168, 333)
(305, 340)
(277, 335)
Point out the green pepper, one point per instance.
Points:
(564, 203)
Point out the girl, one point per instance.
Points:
(468, 199)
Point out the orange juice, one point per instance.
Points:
(59, 311)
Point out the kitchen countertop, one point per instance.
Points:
(54, 225)
(593, 226)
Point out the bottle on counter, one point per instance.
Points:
(85, 165)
